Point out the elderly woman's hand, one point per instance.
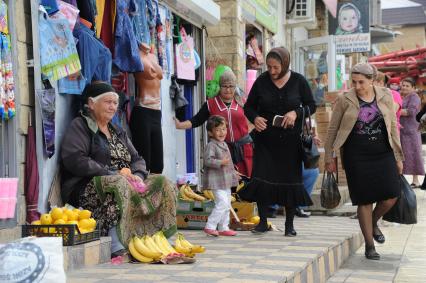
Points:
(135, 178)
(330, 167)
(260, 123)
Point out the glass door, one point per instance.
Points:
(316, 59)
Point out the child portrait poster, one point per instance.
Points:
(352, 17)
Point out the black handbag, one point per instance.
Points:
(310, 153)
(330, 195)
(405, 209)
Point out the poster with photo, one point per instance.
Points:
(351, 26)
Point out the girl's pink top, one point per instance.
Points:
(398, 100)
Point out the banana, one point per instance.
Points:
(137, 255)
(187, 244)
(240, 186)
(206, 194)
(160, 244)
(181, 249)
(189, 193)
(183, 195)
(166, 243)
(144, 250)
(149, 242)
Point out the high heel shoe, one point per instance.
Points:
(370, 253)
(378, 237)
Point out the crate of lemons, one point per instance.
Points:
(66, 216)
(156, 248)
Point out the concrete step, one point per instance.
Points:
(322, 245)
(88, 254)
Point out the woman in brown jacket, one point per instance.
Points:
(364, 128)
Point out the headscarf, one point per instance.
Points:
(284, 56)
(96, 89)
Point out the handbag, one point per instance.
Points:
(310, 153)
(330, 195)
(405, 209)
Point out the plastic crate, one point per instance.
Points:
(70, 233)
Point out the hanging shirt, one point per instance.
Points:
(126, 51)
(140, 22)
(95, 58)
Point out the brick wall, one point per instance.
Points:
(411, 36)
(25, 102)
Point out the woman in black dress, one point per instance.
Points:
(364, 128)
(277, 161)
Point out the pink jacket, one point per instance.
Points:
(398, 100)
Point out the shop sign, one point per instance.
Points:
(351, 27)
(265, 12)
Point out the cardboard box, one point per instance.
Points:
(193, 214)
(244, 210)
(330, 96)
(324, 108)
(322, 117)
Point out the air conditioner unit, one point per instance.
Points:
(300, 12)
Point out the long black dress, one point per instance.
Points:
(277, 161)
(368, 158)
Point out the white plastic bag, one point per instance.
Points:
(32, 259)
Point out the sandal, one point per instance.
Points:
(370, 253)
(379, 237)
(122, 252)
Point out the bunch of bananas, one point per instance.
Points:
(186, 193)
(183, 246)
(150, 249)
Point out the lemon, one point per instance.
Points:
(65, 217)
(36, 222)
(56, 213)
(92, 223)
(71, 215)
(76, 211)
(46, 219)
(84, 224)
(72, 222)
(255, 219)
(60, 222)
(85, 214)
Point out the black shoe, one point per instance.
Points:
(370, 253)
(378, 237)
(301, 213)
(260, 229)
(290, 232)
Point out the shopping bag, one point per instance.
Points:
(32, 260)
(405, 209)
(310, 153)
(330, 195)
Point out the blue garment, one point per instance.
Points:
(309, 178)
(72, 86)
(51, 6)
(140, 22)
(95, 57)
(126, 51)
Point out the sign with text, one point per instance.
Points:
(351, 27)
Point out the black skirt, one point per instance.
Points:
(371, 170)
(277, 169)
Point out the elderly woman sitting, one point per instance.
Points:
(102, 172)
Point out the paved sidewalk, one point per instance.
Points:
(322, 244)
(403, 254)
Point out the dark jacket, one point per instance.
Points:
(85, 154)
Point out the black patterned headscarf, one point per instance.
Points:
(282, 55)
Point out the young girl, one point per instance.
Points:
(219, 176)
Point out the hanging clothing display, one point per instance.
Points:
(140, 22)
(68, 12)
(94, 56)
(126, 51)
(58, 55)
(7, 85)
(107, 28)
(88, 10)
(46, 100)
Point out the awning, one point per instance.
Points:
(382, 34)
(198, 12)
(331, 6)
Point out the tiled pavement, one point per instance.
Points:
(403, 254)
(322, 244)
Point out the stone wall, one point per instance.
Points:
(25, 102)
(411, 37)
(226, 40)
